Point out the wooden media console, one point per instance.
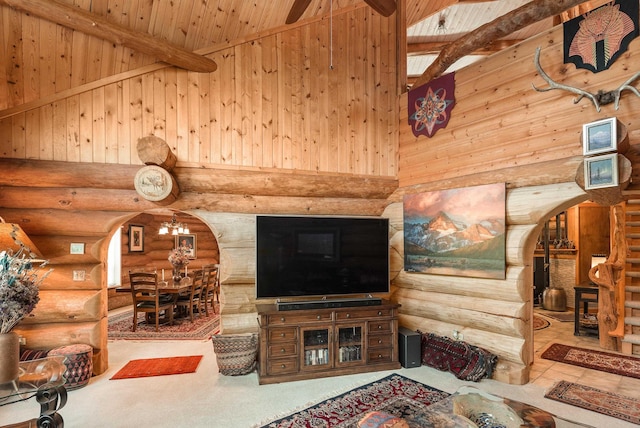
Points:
(312, 343)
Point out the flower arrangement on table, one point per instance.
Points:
(19, 285)
(179, 258)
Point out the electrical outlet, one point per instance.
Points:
(78, 275)
(22, 341)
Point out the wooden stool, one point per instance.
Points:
(79, 363)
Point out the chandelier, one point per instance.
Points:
(174, 226)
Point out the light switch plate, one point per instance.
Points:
(77, 248)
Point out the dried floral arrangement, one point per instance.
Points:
(179, 256)
(19, 285)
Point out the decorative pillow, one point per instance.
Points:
(466, 362)
(381, 420)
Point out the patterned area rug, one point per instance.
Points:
(624, 365)
(202, 328)
(158, 367)
(539, 323)
(567, 316)
(607, 403)
(393, 394)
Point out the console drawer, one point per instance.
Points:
(379, 340)
(382, 355)
(358, 313)
(379, 326)
(282, 365)
(283, 350)
(299, 318)
(284, 334)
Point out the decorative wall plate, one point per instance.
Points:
(154, 183)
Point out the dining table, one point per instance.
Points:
(169, 287)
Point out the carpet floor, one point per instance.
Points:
(158, 367)
(394, 394)
(587, 397)
(202, 327)
(623, 365)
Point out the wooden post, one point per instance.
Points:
(610, 280)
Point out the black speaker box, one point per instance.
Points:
(409, 348)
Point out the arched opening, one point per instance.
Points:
(142, 248)
(588, 226)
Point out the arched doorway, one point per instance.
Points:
(143, 248)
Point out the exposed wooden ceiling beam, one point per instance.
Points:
(433, 48)
(296, 11)
(498, 28)
(88, 23)
(383, 7)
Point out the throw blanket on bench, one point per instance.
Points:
(466, 362)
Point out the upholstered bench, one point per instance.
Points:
(79, 363)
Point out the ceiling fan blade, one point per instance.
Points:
(383, 7)
(298, 8)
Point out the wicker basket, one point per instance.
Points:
(236, 353)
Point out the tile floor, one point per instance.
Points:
(545, 373)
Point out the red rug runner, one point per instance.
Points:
(158, 367)
(624, 365)
(587, 397)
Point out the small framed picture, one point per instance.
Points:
(599, 137)
(601, 171)
(189, 242)
(136, 238)
(76, 248)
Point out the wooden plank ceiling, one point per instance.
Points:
(40, 56)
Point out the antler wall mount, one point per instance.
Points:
(598, 99)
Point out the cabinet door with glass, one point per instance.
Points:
(316, 353)
(350, 344)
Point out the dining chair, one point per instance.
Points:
(211, 281)
(147, 299)
(190, 301)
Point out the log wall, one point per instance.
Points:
(501, 130)
(43, 198)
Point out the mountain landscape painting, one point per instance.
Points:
(457, 232)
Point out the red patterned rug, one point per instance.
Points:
(587, 397)
(394, 394)
(624, 365)
(158, 367)
(566, 316)
(539, 323)
(202, 328)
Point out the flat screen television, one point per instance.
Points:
(321, 256)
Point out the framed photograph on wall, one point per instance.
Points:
(599, 136)
(136, 238)
(601, 171)
(189, 242)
